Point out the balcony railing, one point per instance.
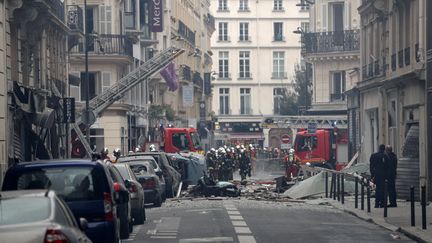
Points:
(245, 111)
(75, 18)
(224, 75)
(384, 65)
(107, 44)
(57, 7)
(278, 38)
(337, 97)
(225, 112)
(244, 38)
(370, 70)
(364, 71)
(417, 53)
(393, 62)
(407, 56)
(223, 38)
(336, 41)
(400, 58)
(281, 75)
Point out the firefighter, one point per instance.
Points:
(211, 164)
(227, 166)
(224, 165)
(104, 154)
(245, 165)
(117, 154)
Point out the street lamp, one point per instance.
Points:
(299, 31)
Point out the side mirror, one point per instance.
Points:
(83, 224)
(127, 183)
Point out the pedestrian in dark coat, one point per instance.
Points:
(378, 174)
(391, 175)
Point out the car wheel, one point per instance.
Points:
(124, 227)
(158, 201)
(140, 217)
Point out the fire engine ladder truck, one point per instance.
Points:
(324, 122)
(101, 102)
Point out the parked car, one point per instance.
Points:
(136, 193)
(171, 175)
(153, 163)
(85, 185)
(125, 209)
(38, 215)
(149, 181)
(191, 166)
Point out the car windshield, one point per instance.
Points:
(150, 161)
(141, 168)
(19, 210)
(196, 141)
(123, 171)
(70, 183)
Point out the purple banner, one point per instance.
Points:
(170, 77)
(156, 15)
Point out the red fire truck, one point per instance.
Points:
(325, 148)
(176, 140)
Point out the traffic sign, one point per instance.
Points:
(286, 138)
(312, 127)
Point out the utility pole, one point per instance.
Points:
(87, 85)
(428, 95)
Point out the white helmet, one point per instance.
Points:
(228, 150)
(152, 147)
(212, 150)
(137, 149)
(238, 147)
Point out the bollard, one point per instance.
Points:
(412, 206)
(362, 196)
(342, 189)
(368, 196)
(385, 198)
(334, 187)
(326, 184)
(338, 187)
(423, 205)
(331, 186)
(356, 193)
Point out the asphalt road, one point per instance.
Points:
(249, 221)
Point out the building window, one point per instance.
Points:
(278, 31)
(278, 5)
(305, 27)
(338, 86)
(93, 86)
(223, 31)
(129, 12)
(279, 65)
(304, 5)
(105, 13)
(97, 139)
(244, 58)
(278, 95)
(245, 101)
(224, 101)
(244, 5)
(223, 5)
(223, 64)
(244, 32)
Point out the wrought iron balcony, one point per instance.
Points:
(336, 41)
(224, 38)
(370, 70)
(244, 38)
(278, 38)
(279, 75)
(393, 62)
(417, 52)
(224, 75)
(364, 71)
(407, 56)
(384, 65)
(376, 68)
(245, 75)
(209, 20)
(56, 7)
(400, 58)
(337, 97)
(107, 45)
(75, 18)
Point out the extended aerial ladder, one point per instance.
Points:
(102, 101)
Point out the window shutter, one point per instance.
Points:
(105, 19)
(324, 19)
(347, 13)
(106, 80)
(75, 90)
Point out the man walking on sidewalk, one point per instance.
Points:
(377, 169)
(391, 175)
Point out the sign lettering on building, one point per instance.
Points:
(156, 16)
(68, 110)
(188, 95)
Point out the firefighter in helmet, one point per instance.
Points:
(245, 165)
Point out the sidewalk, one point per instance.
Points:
(398, 219)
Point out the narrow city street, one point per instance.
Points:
(246, 220)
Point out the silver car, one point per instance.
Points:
(37, 216)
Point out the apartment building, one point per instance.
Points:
(33, 77)
(391, 93)
(255, 52)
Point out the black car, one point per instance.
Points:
(136, 193)
(29, 216)
(86, 186)
(171, 175)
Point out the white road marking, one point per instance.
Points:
(239, 223)
(209, 239)
(233, 212)
(236, 217)
(246, 239)
(242, 230)
(204, 209)
(163, 237)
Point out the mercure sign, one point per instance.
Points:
(156, 16)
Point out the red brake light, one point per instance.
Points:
(55, 236)
(133, 188)
(108, 207)
(116, 187)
